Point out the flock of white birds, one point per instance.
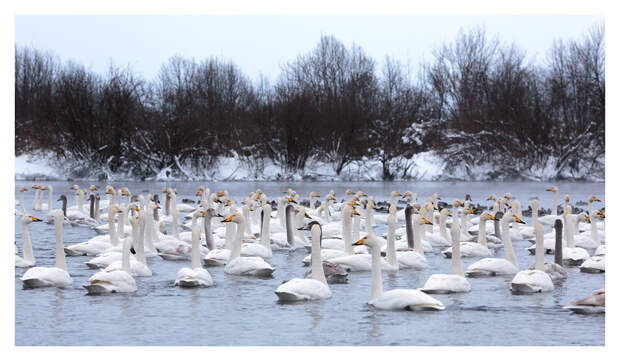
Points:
(241, 238)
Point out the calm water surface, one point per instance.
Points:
(244, 311)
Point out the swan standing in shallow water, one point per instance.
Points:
(50, 276)
(196, 276)
(397, 299)
(117, 281)
(308, 289)
(498, 266)
(450, 283)
(536, 280)
(28, 260)
(244, 266)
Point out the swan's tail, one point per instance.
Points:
(70, 252)
(265, 272)
(33, 283)
(521, 288)
(98, 288)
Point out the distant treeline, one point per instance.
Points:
(476, 100)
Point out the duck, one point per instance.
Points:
(396, 299)
(196, 276)
(498, 266)
(28, 260)
(449, 283)
(534, 280)
(57, 276)
(308, 289)
(244, 266)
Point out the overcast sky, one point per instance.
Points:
(261, 44)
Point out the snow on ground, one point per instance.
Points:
(426, 166)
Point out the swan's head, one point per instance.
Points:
(234, 218)
(92, 187)
(314, 194)
(601, 214)
(586, 218)
(457, 203)
(444, 212)
(23, 189)
(491, 198)
(507, 195)
(567, 198)
(361, 194)
(396, 194)
(30, 219)
(109, 190)
(287, 191)
(468, 210)
(75, 187)
(164, 190)
(350, 192)
(199, 193)
(486, 216)
(291, 200)
(517, 219)
(535, 204)
(593, 198)
(369, 240)
(468, 197)
(553, 189)
(330, 197)
(419, 220)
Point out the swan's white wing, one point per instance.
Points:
(491, 267)
(402, 299)
(255, 250)
(114, 281)
(530, 281)
(136, 268)
(446, 283)
(593, 264)
(197, 277)
(249, 266)
(411, 259)
(302, 289)
(46, 277)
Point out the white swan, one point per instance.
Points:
(137, 264)
(475, 249)
(594, 264)
(196, 276)
(98, 244)
(574, 256)
(450, 283)
(28, 260)
(536, 280)
(442, 239)
(498, 266)
(244, 266)
(117, 281)
(308, 289)
(550, 218)
(397, 299)
(50, 276)
(413, 257)
(21, 210)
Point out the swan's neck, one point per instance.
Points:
(463, 220)
(534, 215)
(540, 249)
(356, 228)
(456, 256)
(112, 227)
(76, 200)
(265, 236)
(482, 232)
(368, 223)
(196, 247)
(236, 251)
(317, 264)
(49, 198)
(81, 202)
(281, 216)
(299, 222)
(346, 234)
(167, 204)
(442, 227)
(409, 230)
(97, 208)
(126, 251)
(60, 252)
(208, 233)
(36, 199)
(311, 202)
(391, 249)
(594, 230)
(120, 225)
(246, 215)
(28, 254)
(140, 242)
(230, 234)
(377, 284)
(21, 203)
(148, 231)
(289, 226)
(554, 207)
(508, 250)
(175, 224)
(568, 229)
(417, 239)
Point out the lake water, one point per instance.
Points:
(244, 311)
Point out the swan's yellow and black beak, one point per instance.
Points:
(23, 189)
(518, 220)
(363, 194)
(355, 212)
(199, 193)
(507, 195)
(549, 189)
(157, 206)
(490, 198)
(398, 194)
(291, 200)
(360, 242)
(595, 199)
(35, 219)
(227, 219)
(588, 219)
(203, 214)
(491, 217)
(350, 192)
(459, 203)
(426, 221)
(470, 211)
(109, 191)
(307, 216)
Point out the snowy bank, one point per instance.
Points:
(426, 166)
